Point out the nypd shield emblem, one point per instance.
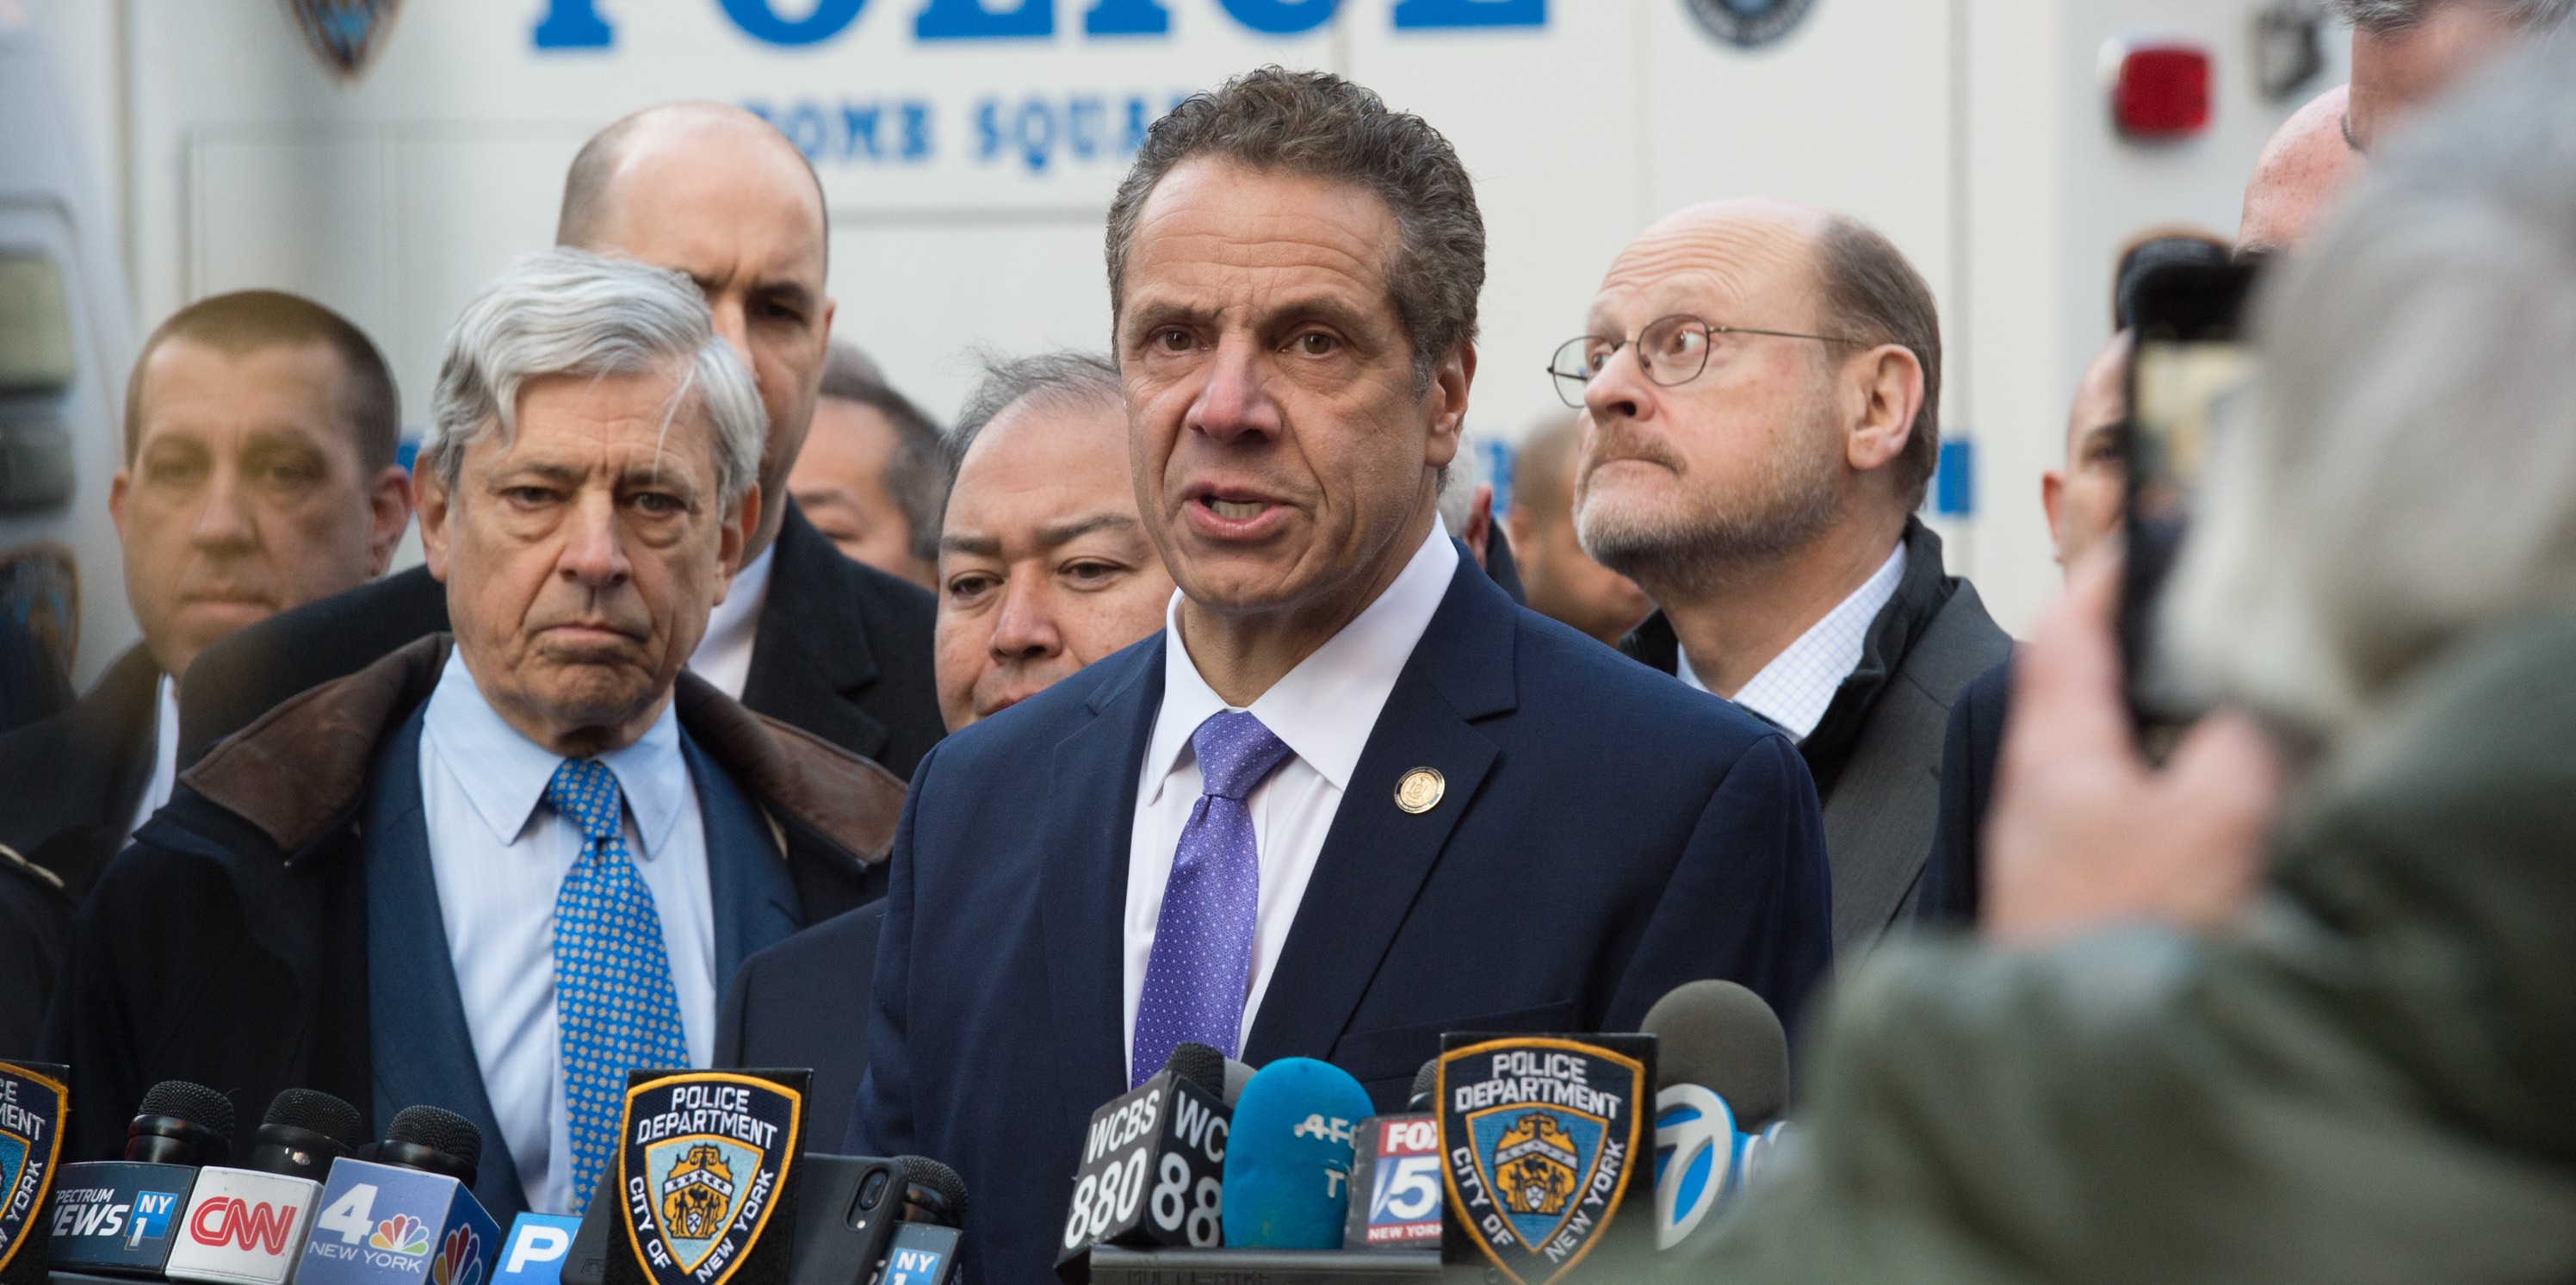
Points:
(31, 1144)
(345, 34)
(1538, 1137)
(702, 1158)
(1749, 24)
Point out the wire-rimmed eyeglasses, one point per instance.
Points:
(1672, 350)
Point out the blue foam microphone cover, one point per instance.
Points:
(1288, 1157)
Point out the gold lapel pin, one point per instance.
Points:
(1420, 790)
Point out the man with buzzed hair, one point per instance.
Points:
(805, 635)
(1761, 385)
(259, 448)
(1563, 582)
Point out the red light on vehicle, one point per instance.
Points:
(2160, 91)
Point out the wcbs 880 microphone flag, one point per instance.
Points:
(1153, 1165)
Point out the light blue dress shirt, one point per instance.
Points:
(499, 856)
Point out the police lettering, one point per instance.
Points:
(721, 1109)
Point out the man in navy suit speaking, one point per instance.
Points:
(1349, 797)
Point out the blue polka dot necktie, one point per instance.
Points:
(614, 1001)
(1200, 971)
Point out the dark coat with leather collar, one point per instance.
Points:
(842, 650)
(1876, 755)
(227, 944)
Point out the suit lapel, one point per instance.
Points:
(1376, 855)
(420, 1046)
(748, 885)
(1089, 820)
(810, 657)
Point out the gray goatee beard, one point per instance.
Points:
(1680, 555)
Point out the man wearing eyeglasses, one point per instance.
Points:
(1760, 388)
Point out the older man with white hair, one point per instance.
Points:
(423, 882)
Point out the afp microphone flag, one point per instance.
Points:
(1539, 1138)
(33, 1103)
(704, 1159)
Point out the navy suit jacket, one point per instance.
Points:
(804, 1002)
(1606, 835)
(423, 1051)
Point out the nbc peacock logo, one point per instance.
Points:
(459, 1261)
(401, 1234)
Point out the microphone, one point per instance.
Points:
(1288, 1167)
(247, 1226)
(534, 1251)
(116, 1216)
(1237, 1075)
(431, 1140)
(866, 1218)
(403, 1205)
(180, 1123)
(302, 1134)
(1395, 1174)
(1426, 1086)
(1723, 1079)
(1152, 1163)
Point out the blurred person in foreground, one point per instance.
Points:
(873, 471)
(1761, 388)
(1347, 761)
(259, 473)
(430, 881)
(1563, 581)
(832, 646)
(1045, 567)
(2209, 1037)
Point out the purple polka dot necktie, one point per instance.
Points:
(615, 1006)
(1200, 973)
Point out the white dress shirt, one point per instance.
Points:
(500, 856)
(165, 756)
(1323, 710)
(723, 656)
(1799, 683)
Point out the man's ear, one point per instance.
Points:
(734, 536)
(1890, 387)
(1449, 382)
(437, 505)
(2052, 498)
(389, 505)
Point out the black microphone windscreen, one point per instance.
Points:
(1198, 1064)
(939, 1178)
(321, 1113)
(1723, 1038)
(1423, 1079)
(194, 1103)
(438, 1129)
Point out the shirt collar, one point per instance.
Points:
(1325, 708)
(504, 774)
(1794, 690)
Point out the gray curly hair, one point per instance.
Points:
(2397, 15)
(571, 312)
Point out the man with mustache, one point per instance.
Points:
(259, 449)
(494, 871)
(1761, 388)
(1349, 796)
